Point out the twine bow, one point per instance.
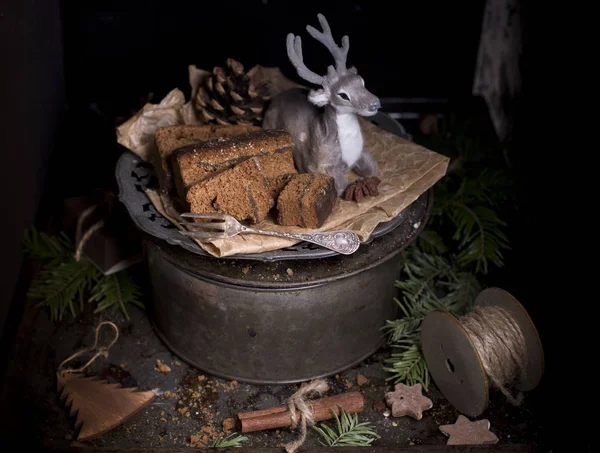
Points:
(101, 351)
(301, 410)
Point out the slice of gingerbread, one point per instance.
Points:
(306, 201)
(241, 192)
(194, 163)
(170, 138)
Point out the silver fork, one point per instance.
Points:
(219, 226)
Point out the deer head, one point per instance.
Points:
(342, 87)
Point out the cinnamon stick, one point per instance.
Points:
(279, 416)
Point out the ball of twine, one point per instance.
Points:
(500, 344)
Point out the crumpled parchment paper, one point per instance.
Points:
(407, 170)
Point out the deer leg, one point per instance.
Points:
(328, 165)
(366, 166)
(341, 182)
(339, 178)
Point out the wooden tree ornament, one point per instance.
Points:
(99, 406)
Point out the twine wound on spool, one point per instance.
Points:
(501, 346)
(301, 412)
(101, 351)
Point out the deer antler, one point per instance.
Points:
(326, 38)
(294, 50)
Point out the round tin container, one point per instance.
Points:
(282, 321)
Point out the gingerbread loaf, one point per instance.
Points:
(170, 138)
(306, 201)
(194, 163)
(241, 191)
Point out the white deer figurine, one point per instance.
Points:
(326, 133)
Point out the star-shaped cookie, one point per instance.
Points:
(408, 400)
(466, 432)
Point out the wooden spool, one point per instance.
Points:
(454, 363)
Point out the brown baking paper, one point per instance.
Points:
(407, 170)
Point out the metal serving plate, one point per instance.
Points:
(134, 176)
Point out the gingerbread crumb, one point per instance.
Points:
(161, 367)
(379, 406)
(289, 272)
(198, 441)
(228, 424)
(361, 380)
(231, 385)
(183, 410)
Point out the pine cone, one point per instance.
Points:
(230, 96)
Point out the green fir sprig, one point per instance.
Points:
(465, 221)
(464, 238)
(66, 285)
(117, 289)
(233, 440)
(348, 431)
(431, 282)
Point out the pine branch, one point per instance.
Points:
(405, 326)
(116, 290)
(487, 187)
(431, 242)
(60, 283)
(464, 237)
(40, 245)
(231, 440)
(431, 282)
(348, 431)
(474, 188)
(63, 281)
(479, 231)
(461, 292)
(409, 366)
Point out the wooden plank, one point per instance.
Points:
(498, 448)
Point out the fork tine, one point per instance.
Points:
(202, 215)
(203, 234)
(205, 225)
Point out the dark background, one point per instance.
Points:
(69, 68)
(116, 50)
